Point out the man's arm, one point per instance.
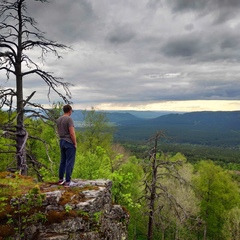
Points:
(73, 136)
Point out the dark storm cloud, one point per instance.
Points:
(65, 21)
(187, 5)
(221, 10)
(186, 46)
(205, 46)
(198, 5)
(221, 91)
(120, 34)
(230, 43)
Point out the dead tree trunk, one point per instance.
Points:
(160, 166)
(20, 131)
(153, 160)
(19, 34)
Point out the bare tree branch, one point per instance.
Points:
(156, 194)
(18, 34)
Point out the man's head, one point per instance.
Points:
(67, 108)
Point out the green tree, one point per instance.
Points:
(93, 154)
(231, 228)
(92, 165)
(19, 34)
(43, 152)
(7, 151)
(96, 131)
(126, 183)
(218, 194)
(126, 191)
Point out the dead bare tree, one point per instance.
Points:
(154, 189)
(18, 34)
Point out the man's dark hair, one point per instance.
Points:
(67, 108)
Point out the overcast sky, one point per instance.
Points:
(144, 54)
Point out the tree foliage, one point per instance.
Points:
(218, 194)
(231, 230)
(96, 131)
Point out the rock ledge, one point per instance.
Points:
(83, 211)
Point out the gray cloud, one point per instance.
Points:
(186, 46)
(155, 50)
(202, 5)
(220, 10)
(120, 34)
(66, 21)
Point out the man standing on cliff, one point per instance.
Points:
(68, 145)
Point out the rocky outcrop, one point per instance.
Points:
(83, 211)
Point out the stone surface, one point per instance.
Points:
(83, 211)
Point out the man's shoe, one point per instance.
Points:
(67, 184)
(61, 182)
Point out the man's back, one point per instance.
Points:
(63, 124)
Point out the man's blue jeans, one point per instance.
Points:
(68, 152)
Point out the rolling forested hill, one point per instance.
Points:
(204, 128)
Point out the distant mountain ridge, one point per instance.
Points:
(205, 118)
(114, 117)
(227, 119)
(205, 128)
(220, 128)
